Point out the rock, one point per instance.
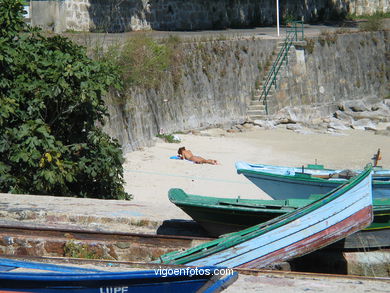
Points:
(195, 132)
(362, 124)
(285, 121)
(354, 105)
(316, 121)
(247, 125)
(267, 124)
(343, 116)
(293, 127)
(381, 106)
(382, 114)
(337, 125)
(358, 108)
(232, 130)
(318, 127)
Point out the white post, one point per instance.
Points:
(277, 16)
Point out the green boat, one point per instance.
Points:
(226, 215)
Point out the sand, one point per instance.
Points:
(150, 173)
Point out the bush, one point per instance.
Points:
(373, 23)
(51, 98)
(144, 62)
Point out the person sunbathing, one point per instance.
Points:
(187, 154)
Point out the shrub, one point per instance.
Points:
(51, 99)
(373, 23)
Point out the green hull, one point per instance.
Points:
(225, 215)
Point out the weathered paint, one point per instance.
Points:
(262, 240)
(315, 241)
(113, 282)
(285, 183)
(219, 215)
(321, 219)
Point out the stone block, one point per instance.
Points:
(54, 248)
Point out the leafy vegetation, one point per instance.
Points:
(51, 100)
(76, 250)
(365, 16)
(170, 138)
(144, 62)
(373, 23)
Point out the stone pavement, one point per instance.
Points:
(108, 215)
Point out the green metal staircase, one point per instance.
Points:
(258, 107)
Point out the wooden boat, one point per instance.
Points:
(338, 214)
(285, 182)
(71, 279)
(226, 215)
(219, 216)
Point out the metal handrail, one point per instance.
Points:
(292, 32)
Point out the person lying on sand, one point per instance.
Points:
(187, 154)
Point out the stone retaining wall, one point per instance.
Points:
(132, 15)
(218, 79)
(333, 67)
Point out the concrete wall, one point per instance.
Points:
(334, 67)
(130, 15)
(218, 80)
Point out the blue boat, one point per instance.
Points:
(333, 217)
(288, 182)
(72, 279)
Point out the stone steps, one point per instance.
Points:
(256, 108)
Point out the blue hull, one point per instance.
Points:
(285, 188)
(286, 183)
(63, 279)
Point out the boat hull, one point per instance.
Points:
(280, 185)
(221, 215)
(327, 220)
(69, 279)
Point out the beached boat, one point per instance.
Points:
(283, 182)
(73, 279)
(226, 215)
(338, 214)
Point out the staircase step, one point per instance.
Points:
(258, 117)
(256, 102)
(256, 108)
(255, 113)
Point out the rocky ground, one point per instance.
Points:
(355, 114)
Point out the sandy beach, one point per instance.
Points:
(150, 173)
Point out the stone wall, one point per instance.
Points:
(218, 79)
(131, 15)
(216, 83)
(334, 67)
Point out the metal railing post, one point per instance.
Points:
(291, 36)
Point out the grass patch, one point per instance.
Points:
(365, 16)
(374, 22)
(170, 138)
(75, 250)
(144, 62)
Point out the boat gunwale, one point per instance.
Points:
(257, 230)
(304, 179)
